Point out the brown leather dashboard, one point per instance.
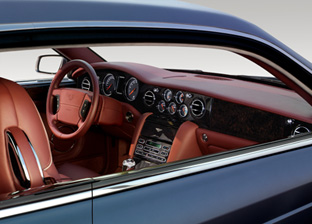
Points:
(232, 113)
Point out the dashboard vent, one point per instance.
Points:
(86, 84)
(300, 130)
(149, 98)
(197, 107)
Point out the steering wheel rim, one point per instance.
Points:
(83, 124)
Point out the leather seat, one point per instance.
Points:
(24, 143)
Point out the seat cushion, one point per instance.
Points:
(75, 172)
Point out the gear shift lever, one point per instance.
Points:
(128, 164)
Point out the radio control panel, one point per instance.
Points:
(151, 150)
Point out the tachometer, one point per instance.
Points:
(132, 89)
(109, 84)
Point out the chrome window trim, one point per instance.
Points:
(18, 210)
(188, 170)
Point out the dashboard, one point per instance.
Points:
(176, 105)
(172, 104)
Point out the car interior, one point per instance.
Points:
(99, 116)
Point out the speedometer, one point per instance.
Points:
(132, 89)
(109, 84)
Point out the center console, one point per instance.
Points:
(155, 140)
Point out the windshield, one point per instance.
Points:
(20, 65)
(185, 58)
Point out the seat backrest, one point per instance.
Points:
(22, 133)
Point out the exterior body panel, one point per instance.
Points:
(255, 191)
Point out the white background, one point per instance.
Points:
(288, 21)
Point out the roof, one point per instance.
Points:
(16, 14)
(169, 11)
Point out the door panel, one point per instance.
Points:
(256, 191)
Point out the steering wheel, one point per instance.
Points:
(75, 107)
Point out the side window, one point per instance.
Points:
(20, 65)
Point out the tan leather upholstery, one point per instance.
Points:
(218, 142)
(19, 114)
(18, 110)
(185, 145)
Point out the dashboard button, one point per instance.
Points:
(141, 141)
(164, 153)
(166, 147)
(139, 146)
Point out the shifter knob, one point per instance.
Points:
(128, 164)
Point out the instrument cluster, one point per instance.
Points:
(177, 104)
(118, 84)
(115, 84)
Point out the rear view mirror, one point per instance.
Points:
(50, 64)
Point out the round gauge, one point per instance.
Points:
(161, 106)
(132, 89)
(183, 110)
(172, 108)
(167, 95)
(109, 84)
(179, 97)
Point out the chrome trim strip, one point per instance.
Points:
(19, 155)
(119, 24)
(201, 167)
(36, 157)
(43, 81)
(18, 210)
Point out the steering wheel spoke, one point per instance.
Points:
(54, 118)
(56, 92)
(80, 123)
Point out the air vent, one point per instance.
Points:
(300, 130)
(86, 84)
(197, 108)
(149, 98)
